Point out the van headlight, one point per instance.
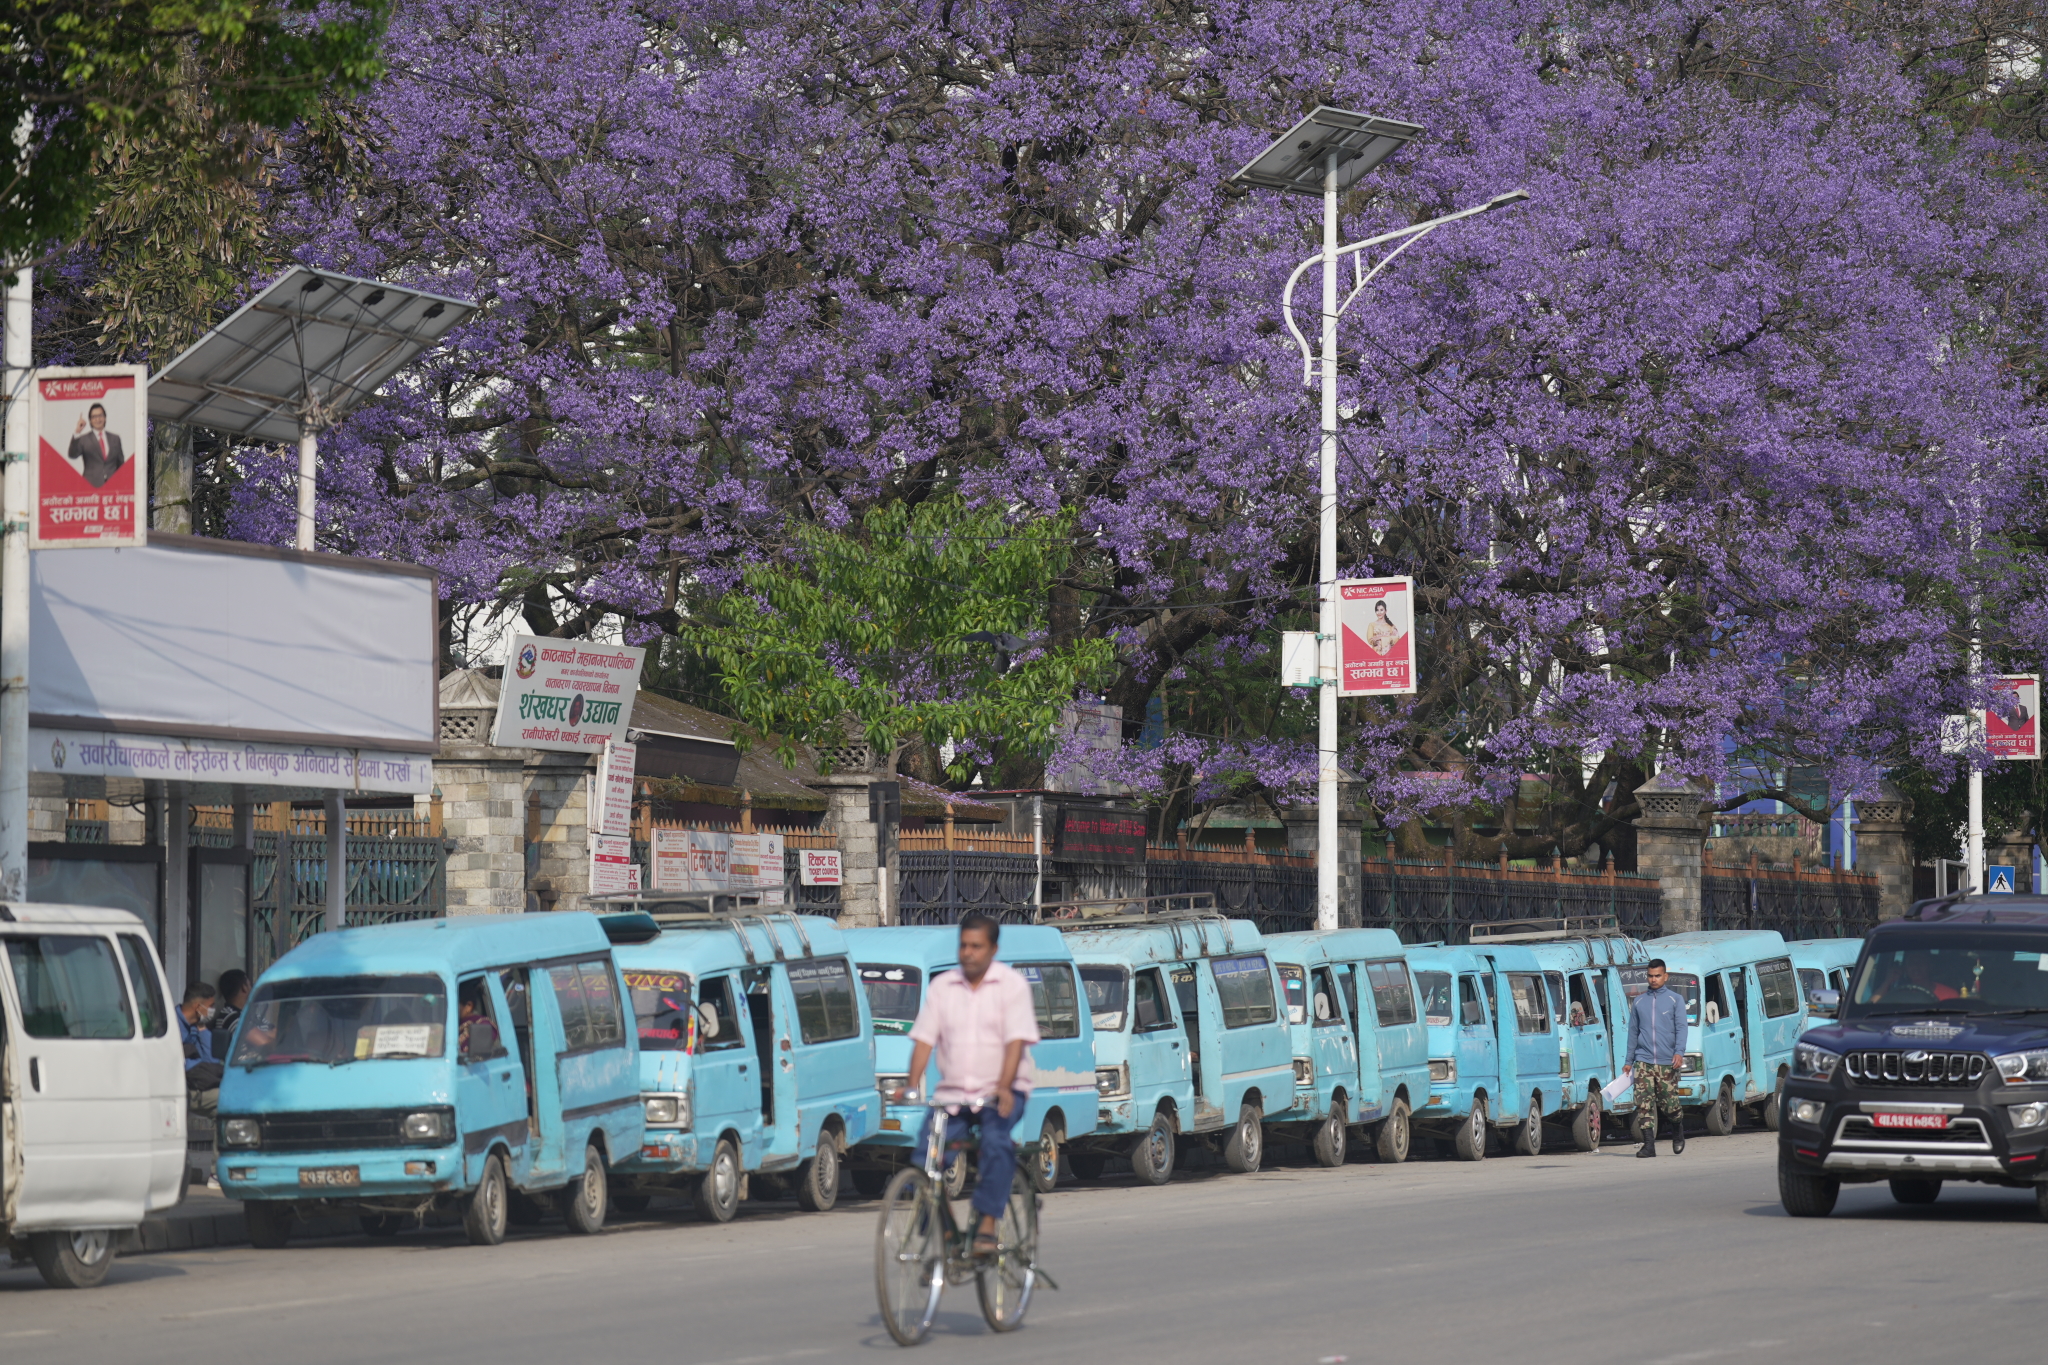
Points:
(1814, 1063)
(1693, 1064)
(889, 1085)
(2023, 1068)
(241, 1133)
(1111, 1081)
(661, 1110)
(428, 1125)
(1443, 1071)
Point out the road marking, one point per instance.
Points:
(1715, 1353)
(767, 1360)
(251, 1308)
(29, 1332)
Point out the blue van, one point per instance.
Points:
(1743, 1003)
(482, 1065)
(895, 965)
(1361, 1052)
(754, 1054)
(1587, 1004)
(1482, 1031)
(1190, 1039)
(1823, 964)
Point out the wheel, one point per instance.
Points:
(269, 1224)
(381, 1225)
(909, 1256)
(1720, 1115)
(632, 1203)
(718, 1189)
(1247, 1141)
(959, 1177)
(1587, 1124)
(77, 1259)
(869, 1184)
(488, 1208)
(1045, 1168)
(817, 1180)
(1529, 1132)
(1916, 1191)
(1469, 1142)
(1004, 1284)
(1152, 1157)
(1396, 1134)
(1804, 1194)
(583, 1203)
(1087, 1165)
(1773, 1108)
(1333, 1139)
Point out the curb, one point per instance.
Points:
(189, 1232)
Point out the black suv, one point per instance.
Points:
(1937, 1066)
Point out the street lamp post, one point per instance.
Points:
(1326, 153)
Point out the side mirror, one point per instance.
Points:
(1823, 1003)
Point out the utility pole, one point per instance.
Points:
(14, 610)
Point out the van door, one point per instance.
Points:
(1780, 1021)
(1475, 1055)
(1158, 1052)
(1336, 1055)
(1745, 1023)
(1201, 1021)
(490, 1093)
(1586, 1031)
(1535, 1038)
(1402, 1039)
(1510, 1099)
(537, 1030)
(83, 1117)
(768, 1014)
(725, 1075)
(831, 1048)
(599, 1089)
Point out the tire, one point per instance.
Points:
(1720, 1115)
(1333, 1139)
(1247, 1141)
(382, 1226)
(1152, 1157)
(817, 1180)
(1772, 1110)
(584, 1202)
(1396, 1135)
(269, 1224)
(1804, 1194)
(1529, 1132)
(487, 1211)
(1588, 1124)
(1469, 1143)
(1004, 1285)
(909, 1256)
(1087, 1165)
(75, 1259)
(718, 1189)
(1045, 1169)
(869, 1184)
(1916, 1191)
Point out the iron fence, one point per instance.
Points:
(938, 886)
(1277, 899)
(1440, 902)
(1797, 905)
(391, 878)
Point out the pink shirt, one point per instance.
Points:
(968, 1027)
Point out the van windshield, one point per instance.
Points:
(893, 993)
(1938, 972)
(338, 1019)
(1108, 988)
(661, 1009)
(1436, 996)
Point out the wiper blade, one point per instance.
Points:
(2006, 1014)
(1924, 1009)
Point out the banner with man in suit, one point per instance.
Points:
(88, 474)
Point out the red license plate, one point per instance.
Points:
(1910, 1120)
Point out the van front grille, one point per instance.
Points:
(1915, 1067)
(330, 1130)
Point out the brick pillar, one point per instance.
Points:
(484, 811)
(1882, 848)
(1669, 836)
(846, 817)
(557, 821)
(1301, 838)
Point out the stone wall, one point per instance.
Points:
(1302, 838)
(1670, 834)
(1882, 848)
(846, 816)
(483, 810)
(557, 833)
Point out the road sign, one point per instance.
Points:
(2000, 879)
(1376, 634)
(88, 458)
(2017, 734)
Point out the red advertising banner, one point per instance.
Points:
(1376, 637)
(88, 466)
(2019, 736)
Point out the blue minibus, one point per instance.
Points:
(1361, 1051)
(1742, 1002)
(1493, 1057)
(895, 966)
(756, 1067)
(466, 1064)
(1588, 1013)
(1823, 964)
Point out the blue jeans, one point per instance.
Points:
(998, 1151)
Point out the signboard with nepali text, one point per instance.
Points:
(573, 695)
(2016, 733)
(88, 464)
(612, 869)
(1376, 637)
(718, 860)
(1100, 835)
(615, 789)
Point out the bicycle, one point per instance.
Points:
(921, 1247)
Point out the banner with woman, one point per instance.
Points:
(1376, 635)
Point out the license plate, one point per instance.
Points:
(1910, 1120)
(330, 1175)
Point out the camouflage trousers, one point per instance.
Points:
(1656, 1089)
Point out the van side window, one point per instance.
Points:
(1393, 1000)
(1531, 1016)
(1717, 1000)
(1780, 988)
(1294, 985)
(1555, 982)
(718, 1018)
(479, 1035)
(1323, 999)
(1148, 1002)
(1585, 998)
(1244, 987)
(1471, 1004)
(825, 1008)
(1053, 998)
(149, 995)
(568, 984)
(601, 1003)
(69, 986)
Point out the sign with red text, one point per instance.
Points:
(718, 860)
(2017, 733)
(615, 789)
(818, 867)
(1376, 637)
(88, 468)
(612, 869)
(573, 695)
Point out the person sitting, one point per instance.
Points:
(477, 1035)
(202, 1072)
(234, 998)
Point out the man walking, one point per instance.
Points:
(1656, 1050)
(981, 1023)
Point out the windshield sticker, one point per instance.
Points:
(394, 1040)
(893, 1026)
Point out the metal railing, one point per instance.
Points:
(1441, 902)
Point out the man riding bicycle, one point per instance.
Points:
(980, 1022)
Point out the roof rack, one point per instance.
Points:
(1546, 930)
(1189, 909)
(631, 915)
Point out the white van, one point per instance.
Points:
(92, 1087)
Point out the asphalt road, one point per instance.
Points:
(1567, 1256)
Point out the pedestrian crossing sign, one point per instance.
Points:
(1999, 879)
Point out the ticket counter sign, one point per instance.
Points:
(2013, 729)
(571, 695)
(1376, 637)
(88, 465)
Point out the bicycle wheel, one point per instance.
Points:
(909, 1257)
(1004, 1283)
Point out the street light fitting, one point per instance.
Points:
(1298, 162)
(1501, 201)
